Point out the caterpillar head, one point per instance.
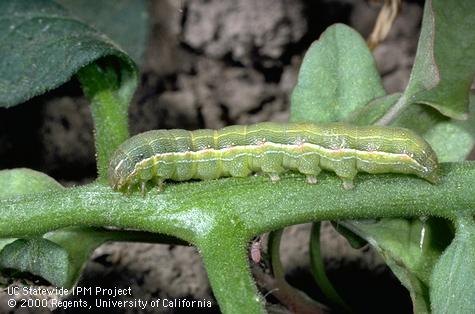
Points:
(119, 171)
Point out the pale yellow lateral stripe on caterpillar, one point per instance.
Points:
(271, 148)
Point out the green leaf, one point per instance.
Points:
(424, 74)
(419, 118)
(79, 252)
(354, 240)
(24, 181)
(4, 242)
(453, 279)
(410, 247)
(38, 256)
(338, 76)
(18, 182)
(451, 49)
(42, 47)
(451, 139)
(124, 21)
(374, 110)
(444, 66)
(417, 289)
(70, 255)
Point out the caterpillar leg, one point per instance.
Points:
(271, 164)
(346, 170)
(311, 179)
(348, 184)
(142, 188)
(274, 177)
(160, 183)
(308, 165)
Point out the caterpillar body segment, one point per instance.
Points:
(271, 148)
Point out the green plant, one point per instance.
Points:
(337, 82)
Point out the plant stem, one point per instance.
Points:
(189, 210)
(109, 91)
(220, 216)
(393, 112)
(226, 262)
(318, 269)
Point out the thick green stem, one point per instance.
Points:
(225, 258)
(188, 210)
(109, 91)
(219, 216)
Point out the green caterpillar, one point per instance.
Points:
(270, 148)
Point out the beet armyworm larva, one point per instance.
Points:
(270, 148)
